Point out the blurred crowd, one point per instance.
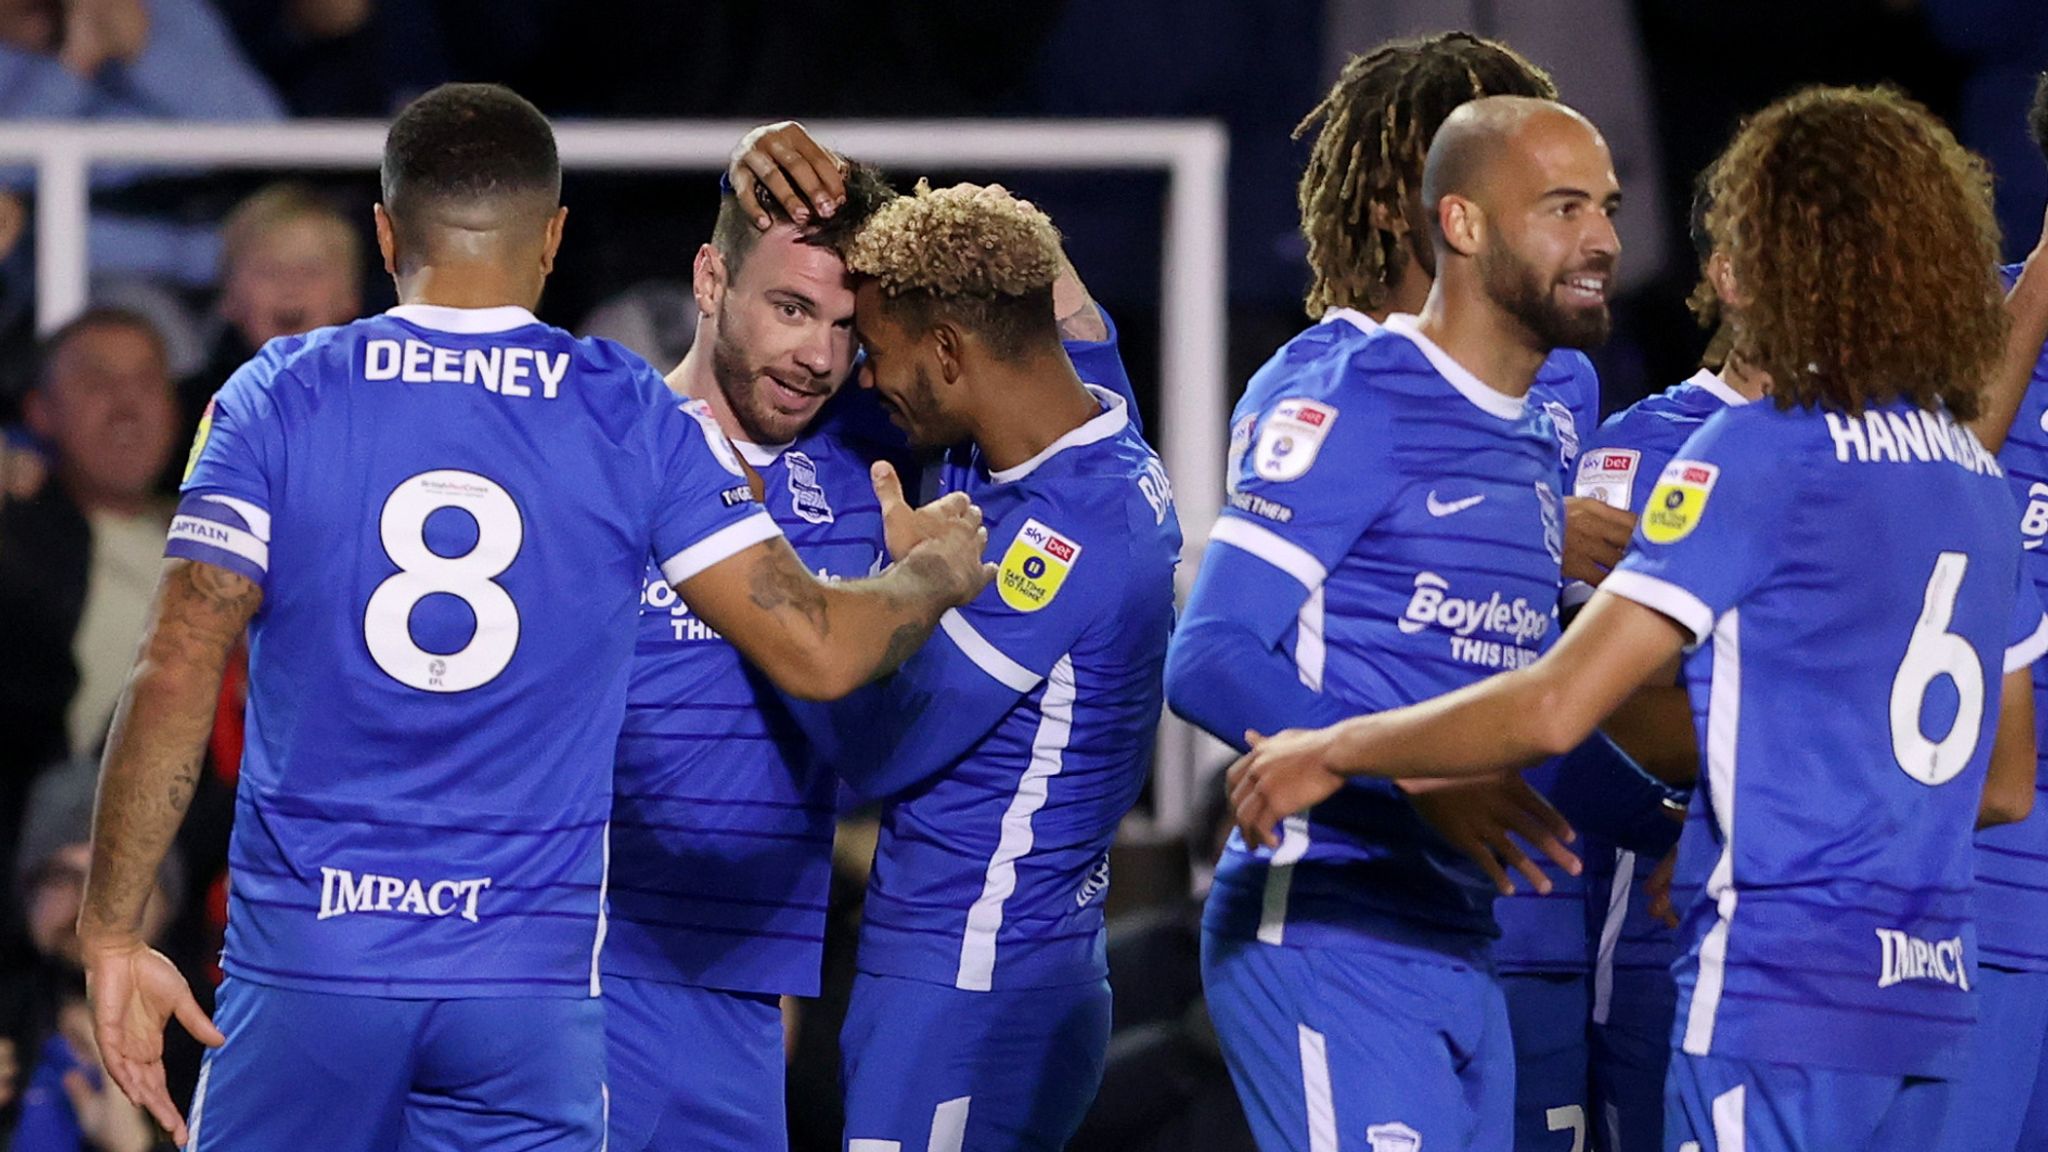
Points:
(192, 271)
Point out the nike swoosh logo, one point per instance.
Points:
(1439, 508)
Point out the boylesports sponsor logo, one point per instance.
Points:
(343, 892)
(1432, 606)
(1904, 957)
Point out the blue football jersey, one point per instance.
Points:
(721, 819)
(1856, 582)
(1630, 947)
(990, 874)
(1546, 931)
(2012, 860)
(1417, 511)
(450, 512)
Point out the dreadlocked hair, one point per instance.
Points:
(1372, 135)
(1860, 235)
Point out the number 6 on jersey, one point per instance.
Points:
(470, 577)
(1931, 653)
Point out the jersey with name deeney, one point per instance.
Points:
(449, 512)
(1855, 581)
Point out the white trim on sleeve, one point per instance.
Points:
(1662, 595)
(226, 538)
(2027, 651)
(986, 656)
(720, 545)
(1271, 547)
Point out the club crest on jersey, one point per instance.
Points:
(1609, 476)
(714, 436)
(1035, 566)
(1553, 522)
(1678, 500)
(1395, 1137)
(1567, 432)
(1292, 436)
(199, 440)
(806, 495)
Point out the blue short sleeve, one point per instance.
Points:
(1704, 539)
(2028, 638)
(224, 516)
(1308, 475)
(705, 512)
(1061, 566)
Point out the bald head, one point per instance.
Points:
(1488, 142)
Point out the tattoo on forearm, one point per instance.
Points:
(781, 582)
(906, 640)
(156, 749)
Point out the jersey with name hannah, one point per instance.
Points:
(723, 815)
(449, 512)
(1415, 516)
(1855, 582)
(2012, 860)
(1632, 951)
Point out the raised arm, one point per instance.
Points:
(2027, 305)
(153, 760)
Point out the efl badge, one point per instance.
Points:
(199, 441)
(1677, 501)
(715, 436)
(1567, 432)
(1291, 438)
(1553, 522)
(806, 495)
(1609, 476)
(1035, 567)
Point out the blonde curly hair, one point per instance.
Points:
(971, 253)
(1861, 237)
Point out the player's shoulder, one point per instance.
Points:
(1316, 364)
(1661, 421)
(1569, 372)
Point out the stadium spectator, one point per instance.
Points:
(290, 262)
(79, 555)
(41, 1010)
(129, 60)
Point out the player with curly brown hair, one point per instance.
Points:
(1013, 746)
(1841, 561)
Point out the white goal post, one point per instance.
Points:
(1194, 395)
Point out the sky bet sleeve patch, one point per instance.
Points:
(1035, 566)
(1609, 476)
(1679, 499)
(1292, 436)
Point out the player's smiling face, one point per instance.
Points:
(783, 335)
(903, 369)
(1551, 246)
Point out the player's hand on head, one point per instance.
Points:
(782, 163)
(135, 991)
(1477, 815)
(1281, 776)
(1596, 536)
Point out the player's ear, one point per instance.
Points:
(948, 346)
(387, 239)
(1463, 222)
(708, 274)
(1721, 274)
(552, 242)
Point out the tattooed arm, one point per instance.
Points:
(820, 641)
(153, 759)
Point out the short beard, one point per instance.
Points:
(739, 383)
(1519, 292)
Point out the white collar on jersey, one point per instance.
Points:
(1114, 419)
(464, 321)
(1469, 386)
(760, 455)
(1353, 317)
(1712, 382)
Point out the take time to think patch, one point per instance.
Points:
(1035, 566)
(199, 441)
(1678, 500)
